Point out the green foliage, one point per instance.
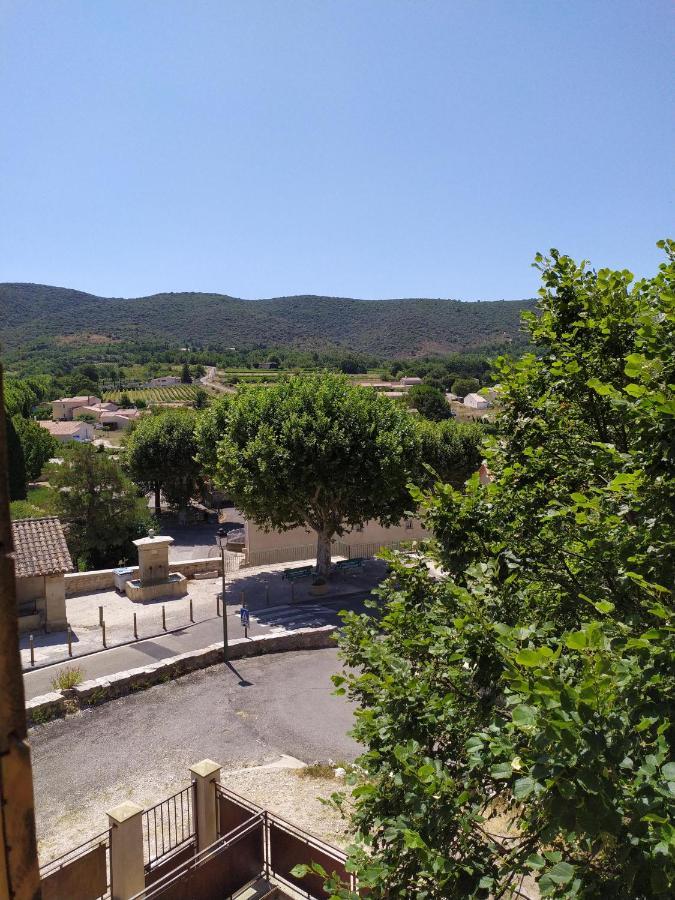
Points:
(67, 678)
(464, 386)
(16, 463)
(160, 456)
(40, 320)
(99, 505)
(517, 711)
(429, 402)
(37, 444)
(201, 400)
(40, 501)
(315, 451)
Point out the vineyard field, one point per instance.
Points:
(179, 393)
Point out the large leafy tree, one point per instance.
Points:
(315, 451)
(37, 443)
(99, 504)
(430, 402)
(517, 711)
(160, 456)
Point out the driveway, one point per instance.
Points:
(140, 747)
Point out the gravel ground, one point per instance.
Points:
(140, 747)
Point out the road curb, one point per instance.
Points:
(99, 690)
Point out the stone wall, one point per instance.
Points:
(102, 579)
(99, 690)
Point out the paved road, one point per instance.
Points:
(275, 620)
(141, 746)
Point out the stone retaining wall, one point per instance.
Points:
(99, 690)
(102, 579)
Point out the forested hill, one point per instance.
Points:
(34, 314)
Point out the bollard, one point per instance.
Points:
(217, 604)
(292, 591)
(100, 615)
(32, 650)
(242, 598)
(267, 594)
(70, 641)
(135, 628)
(103, 633)
(163, 617)
(192, 618)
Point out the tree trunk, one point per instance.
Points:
(323, 554)
(158, 499)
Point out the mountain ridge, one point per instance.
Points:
(32, 312)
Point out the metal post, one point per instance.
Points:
(225, 641)
(163, 617)
(103, 633)
(267, 594)
(242, 598)
(70, 641)
(32, 650)
(217, 604)
(135, 628)
(192, 618)
(292, 591)
(100, 615)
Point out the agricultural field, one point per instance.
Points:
(176, 393)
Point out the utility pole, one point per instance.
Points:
(222, 541)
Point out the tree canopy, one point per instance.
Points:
(160, 456)
(37, 444)
(430, 402)
(99, 505)
(517, 710)
(316, 451)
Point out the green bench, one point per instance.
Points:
(295, 574)
(349, 564)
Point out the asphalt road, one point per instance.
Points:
(193, 637)
(140, 747)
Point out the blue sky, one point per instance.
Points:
(367, 148)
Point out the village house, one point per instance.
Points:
(69, 431)
(94, 409)
(119, 418)
(41, 560)
(62, 410)
(476, 401)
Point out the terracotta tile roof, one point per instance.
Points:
(61, 427)
(40, 548)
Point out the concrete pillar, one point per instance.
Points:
(206, 774)
(55, 603)
(126, 850)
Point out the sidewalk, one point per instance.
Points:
(261, 587)
(130, 656)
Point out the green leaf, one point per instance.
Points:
(523, 787)
(561, 873)
(501, 770)
(668, 771)
(524, 715)
(576, 640)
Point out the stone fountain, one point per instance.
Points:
(154, 579)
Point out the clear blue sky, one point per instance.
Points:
(367, 148)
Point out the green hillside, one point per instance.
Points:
(34, 317)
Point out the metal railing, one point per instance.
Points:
(89, 862)
(168, 826)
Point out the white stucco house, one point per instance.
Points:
(475, 401)
(69, 431)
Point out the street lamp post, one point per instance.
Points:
(222, 541)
